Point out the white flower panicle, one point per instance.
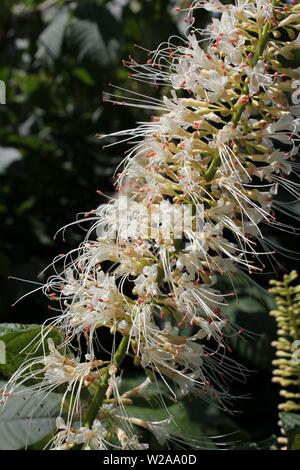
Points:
(225, 140)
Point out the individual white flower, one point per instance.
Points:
(258, 77)
(214, 85)
(146, 283)
(283, 129)
(93, 438)
(59, 442)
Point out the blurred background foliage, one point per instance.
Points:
(57, 57)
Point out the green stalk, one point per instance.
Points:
(99, 395)
(211, 171)
(262, 42)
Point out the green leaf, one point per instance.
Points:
(108, 25)
(295, 442)
(86, 38)
(291, 425)
(26, 419)
(290, 421)
(19, 343)
(51, 40)
(84, 76)
(25, 205)
(6, 328)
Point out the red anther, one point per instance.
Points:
(151, 154)
(196, 125)
(182, 84)
(149, 61)
(275, 76)
(208, 56)
(283, 77)
(89, 378)
(99, 192)
(244, 99)
(52, 296)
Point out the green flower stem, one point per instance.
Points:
(262, 42)
(211, 171)
(99, 396)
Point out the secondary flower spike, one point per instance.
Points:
(223, 141)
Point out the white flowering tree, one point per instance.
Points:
(195, 190)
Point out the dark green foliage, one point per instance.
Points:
(21, 344)
(291, 425)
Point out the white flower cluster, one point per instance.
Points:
(226, 140)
